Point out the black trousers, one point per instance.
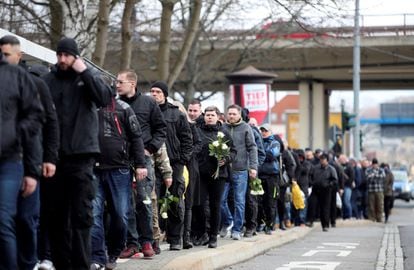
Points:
(175, 223)
(281, 207)
(269, 197)
(320, 199)
(72, 217)
(213, 188)
(388, 200)
(251, 210)
(333, 212)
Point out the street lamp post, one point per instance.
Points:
(356, 81)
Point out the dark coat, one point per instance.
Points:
(207, 163)
(77, 97)
(323, 177)
(151, 120)
(50, 129)
(179, 138)
(303, 175)
(119, 137)
(21, 117)
(193, 189)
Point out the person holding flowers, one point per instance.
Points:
(214, 164)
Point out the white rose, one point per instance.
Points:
(220, 134)
(224, 146)
(164, 215)
(215, 143)
(146, 201)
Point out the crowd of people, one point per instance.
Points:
(90, 172)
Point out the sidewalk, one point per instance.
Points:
(227, 253)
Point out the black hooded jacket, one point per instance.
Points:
(21, 117)
(77, 97)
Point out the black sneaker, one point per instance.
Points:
(111, 263)
(248, 233)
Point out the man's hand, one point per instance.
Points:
(79, 65)
(49, 169)
(168, 182)
(221, 162)
(141, 173)
(341, 191)
(28, 186)
(252, 173)
(147, 153)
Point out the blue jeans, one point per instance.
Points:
(239, 183)
(113, 188)
(11, 175)
(27, 223)
(346, 199)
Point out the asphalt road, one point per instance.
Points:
(345, 247)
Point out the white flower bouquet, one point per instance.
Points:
(220, 150)
(255, 185)
(165, 203)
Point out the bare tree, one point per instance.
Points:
(98, 56)
(193, 27)
(128, 19)
(165, 38)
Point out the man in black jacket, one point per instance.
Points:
(77, 94)
(323, 178)
(154, 130)
(20, 121)
(179, 148)
(27, 219)
(121, 148)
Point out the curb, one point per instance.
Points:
(236, 252)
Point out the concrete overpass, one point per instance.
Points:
(314, 66)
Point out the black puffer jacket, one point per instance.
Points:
(77, 97)
(21, 117)
(151, 120)
(179, 137)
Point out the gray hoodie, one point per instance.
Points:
(243, 140)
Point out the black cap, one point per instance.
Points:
(374, 161)
(68, 45)
(161, 85)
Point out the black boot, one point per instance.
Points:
(187, 241)
(212, 242)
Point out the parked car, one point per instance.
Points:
(402, 187)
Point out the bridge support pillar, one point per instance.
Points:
(313, 115)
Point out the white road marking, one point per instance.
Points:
(309, 265)
(341, 253)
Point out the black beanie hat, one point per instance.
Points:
(161, 85)
(67, 45)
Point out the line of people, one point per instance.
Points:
(82, 168)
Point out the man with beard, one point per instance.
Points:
(77, 93)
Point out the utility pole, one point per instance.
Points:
(356, 81)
